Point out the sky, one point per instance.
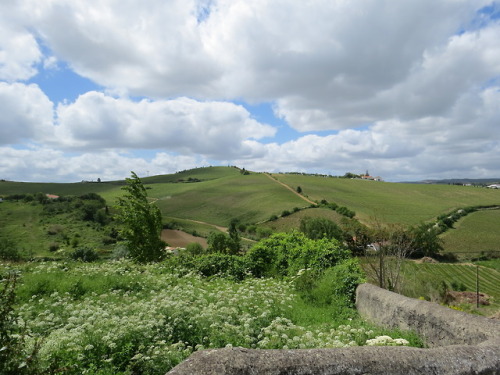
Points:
(408, 90)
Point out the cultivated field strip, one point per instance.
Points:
(489, 279)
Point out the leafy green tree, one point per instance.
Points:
(142, 223)
(234, 243)
(426, 241)
(316, 228)
(217, 242)
(194, 248)
(357, 236)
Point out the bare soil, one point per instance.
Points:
(469, 297)
(178, 238)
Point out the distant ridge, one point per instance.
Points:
(451, 181)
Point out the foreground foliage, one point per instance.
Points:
(124, 318)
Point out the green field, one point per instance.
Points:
(251, 198)
(391, 202)
(425, 280)
(216, 195)
(473, 234)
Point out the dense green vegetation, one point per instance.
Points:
(122, 317)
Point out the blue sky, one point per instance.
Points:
(94, 89)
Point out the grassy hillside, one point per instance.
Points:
(250, 198)
(36, 232)
(215, 195)
(79, 188)
(391, 202)
(475, 233)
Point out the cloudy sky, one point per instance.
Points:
(407, 89)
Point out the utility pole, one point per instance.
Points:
(477, 286)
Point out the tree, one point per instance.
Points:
(394, 245)
(234, 237)
(217, 242)
(142, 223)
(320, 227)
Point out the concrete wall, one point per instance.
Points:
(461, 344)
(437, 325)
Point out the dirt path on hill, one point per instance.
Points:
(289, 188)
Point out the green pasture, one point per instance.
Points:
(79, 188)
(473, 234)
(390, 202)
(249, 198)
(34, 233)
(292, 221)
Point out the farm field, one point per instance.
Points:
(426, 280)
(390, 202)
(474, 234)
(250, 198)
(216, 195)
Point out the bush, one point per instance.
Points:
(13, 357)
(84, 254)
(120, 251)
(334, 285)
(9, 250)
(194, 248)
(53, 246)
(319, 227)
(287, 253)
(231, 266)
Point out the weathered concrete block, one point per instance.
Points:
(454, 360)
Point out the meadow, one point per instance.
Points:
(474, 234)
(391, 202)
(122, 318)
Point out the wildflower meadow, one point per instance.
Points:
(119, 317)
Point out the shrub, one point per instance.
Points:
(9, 250)
(231, 266)
(319, 227)
(14, 359)
(194, 248)
(287, 253)
(53, 246)
(84, 254)
(334, 285)
(120, 251)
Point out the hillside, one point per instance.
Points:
(390, 202)
(202, 198)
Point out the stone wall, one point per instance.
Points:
(460, 344)
(437, 325)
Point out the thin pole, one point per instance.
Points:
(477, 286)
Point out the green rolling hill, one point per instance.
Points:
(215, 195)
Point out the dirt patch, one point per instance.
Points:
(469, 297)
(178, 238)
(426, 260)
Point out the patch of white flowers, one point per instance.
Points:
(158, 324)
